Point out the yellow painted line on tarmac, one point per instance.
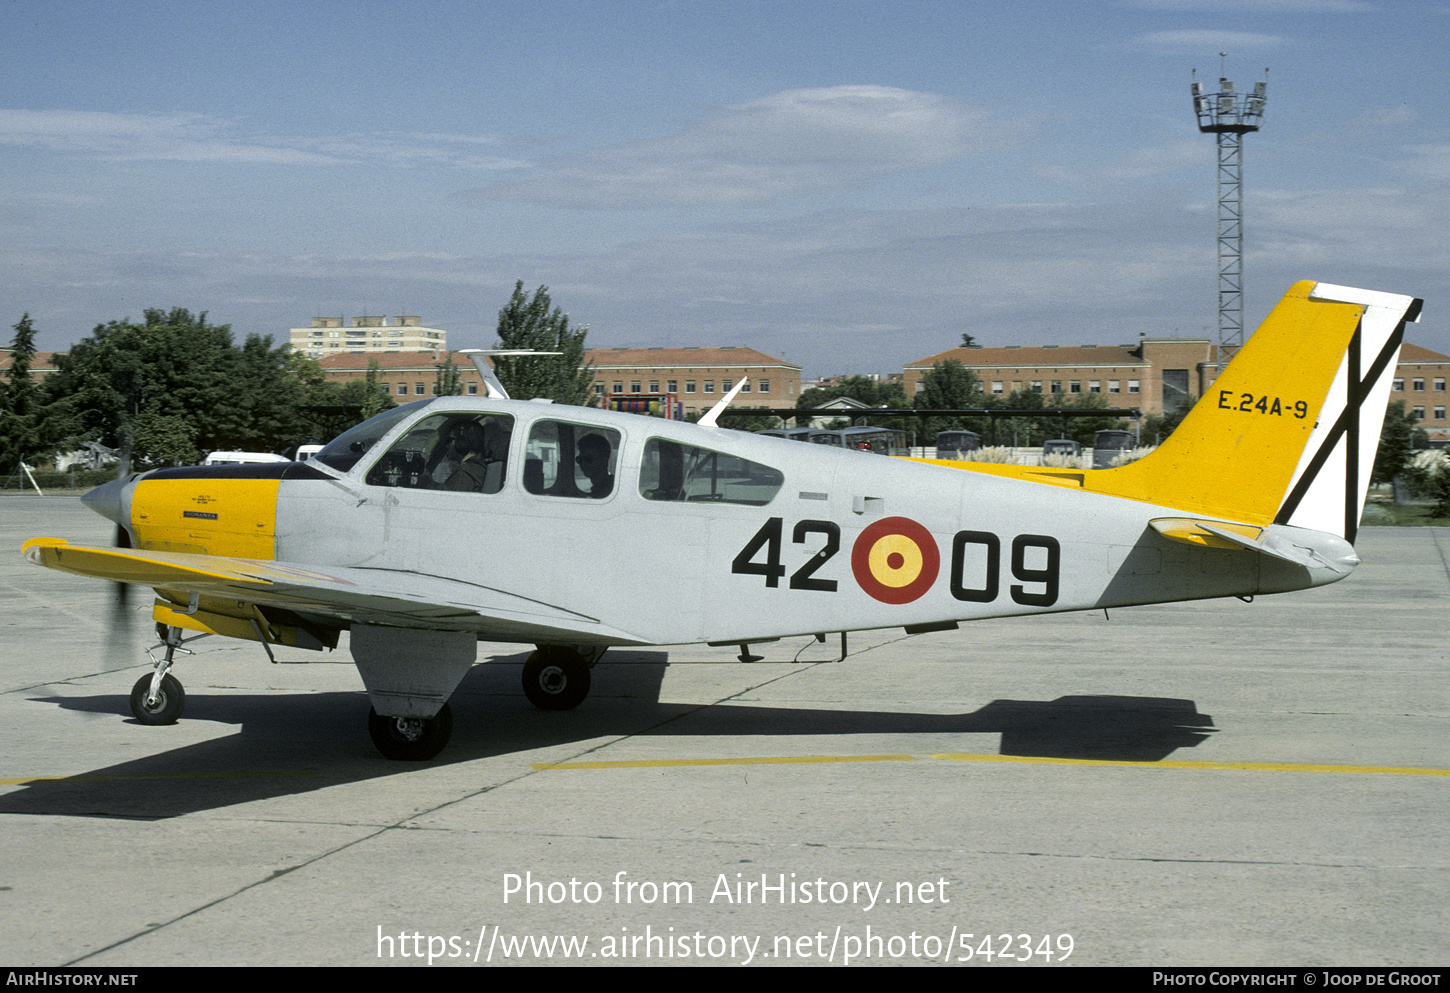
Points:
(1381, 770)
(778, 760)
(143, 777)
(1376, 770)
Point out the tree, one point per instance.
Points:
(871, 392)
(326, 408)
(1398, 441)
(174, 387)
(528, 323)
(1082, 429)
(22, 428)
(1026, 429)
(1157, 427)
(950, 385)
(447, 383)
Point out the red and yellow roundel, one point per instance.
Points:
(895, 560)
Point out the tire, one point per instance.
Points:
(556, 679)
(411, 739)
(170, 701)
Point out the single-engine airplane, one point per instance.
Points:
(440, 523)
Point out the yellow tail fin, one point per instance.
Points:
(1288, 433)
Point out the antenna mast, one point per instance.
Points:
(1230, 116)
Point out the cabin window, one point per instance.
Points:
(464, 453)
(571, 460)
(675, 472)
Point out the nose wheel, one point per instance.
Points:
(557, 678)
(160, 706)
(157, 698)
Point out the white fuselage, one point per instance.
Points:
(849, 541)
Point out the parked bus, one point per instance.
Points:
(791, 434)
(1061, 446)
(955, 445)
(1109, 445)
(883, 441)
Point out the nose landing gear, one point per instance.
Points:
(158, 699)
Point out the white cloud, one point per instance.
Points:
(1428, 162)
(182, 137)
(792, 142)
(176, 137)
(1138, 164)
(1387, 117)
(1211, 39)
(1260, 6)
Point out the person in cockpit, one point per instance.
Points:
(593, 461)
(468, 452)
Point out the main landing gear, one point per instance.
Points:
(411, 739)
(556, 677)
(158, 698)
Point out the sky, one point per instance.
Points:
(848, 185)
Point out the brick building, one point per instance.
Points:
(404, 376)
(1154, 375)
(699, 376)
(1420, 381)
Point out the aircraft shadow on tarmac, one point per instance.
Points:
(299, 743)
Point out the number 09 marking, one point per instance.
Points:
(986, 578)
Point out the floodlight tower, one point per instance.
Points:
(1230, 116)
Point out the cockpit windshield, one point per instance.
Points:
(342, 452)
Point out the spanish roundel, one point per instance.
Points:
(895, 560)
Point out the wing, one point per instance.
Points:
(345, 595)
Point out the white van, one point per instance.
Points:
(242, 458)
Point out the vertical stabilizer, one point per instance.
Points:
(1287, 434)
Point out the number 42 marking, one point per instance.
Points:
(768, 539)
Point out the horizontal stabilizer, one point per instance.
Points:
(1297, 546)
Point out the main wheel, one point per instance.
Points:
(170, 700)
(411, 739)
(556, 679)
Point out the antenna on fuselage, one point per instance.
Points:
(479, 357)
(708, 421)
